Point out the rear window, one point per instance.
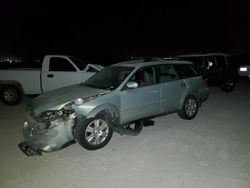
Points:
(187, 70)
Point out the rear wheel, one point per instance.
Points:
(228, 85)
(10, 94)
(189, 109)
(94, 133)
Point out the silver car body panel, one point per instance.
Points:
(56, 99)
(52, 139)
(127, 104)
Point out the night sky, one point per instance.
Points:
(119, 29)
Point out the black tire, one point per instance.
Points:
(189, 108)
(132, 129)
(10, 94)
(86, 136)
(228, 85)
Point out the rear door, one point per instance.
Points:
(190, 79)
(171, 86)
(216, 68)
(61, 72)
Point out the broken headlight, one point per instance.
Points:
(80, 101)
(53, 115)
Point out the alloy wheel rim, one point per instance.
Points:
(96, 132)
(10, 95)
(229, 84)
(190, 107)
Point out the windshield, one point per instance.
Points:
(109, 78)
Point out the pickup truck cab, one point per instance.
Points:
(57, 71)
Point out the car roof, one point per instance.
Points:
(203, 54)
(151, 61)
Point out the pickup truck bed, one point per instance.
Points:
(25, 77)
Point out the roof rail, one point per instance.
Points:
(171, 58)
(147, 59)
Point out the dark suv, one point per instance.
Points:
(216, 69)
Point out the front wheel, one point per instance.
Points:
(189, 108)
(95, 133)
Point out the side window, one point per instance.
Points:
(166, 73)
(78, 62)
(221, 63)
(144, 77)
(186, 70)
(210, 62)
(91, 69)
(60, 64)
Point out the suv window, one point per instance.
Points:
(166, 73)
(61, 64)
(221, 62)
(186, 70)
(144, 77)
(210, 62)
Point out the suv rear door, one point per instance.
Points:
(216, 68)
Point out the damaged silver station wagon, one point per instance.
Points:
(122, 98)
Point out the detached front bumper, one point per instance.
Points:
(28, 149)
(52, 139)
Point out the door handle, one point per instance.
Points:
(154, 90)
(50, 75)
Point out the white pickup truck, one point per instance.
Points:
(57, 71)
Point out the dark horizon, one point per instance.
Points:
(116, 30)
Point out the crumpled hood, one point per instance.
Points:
(54, 99)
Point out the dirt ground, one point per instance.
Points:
(213, 150)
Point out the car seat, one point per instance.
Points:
(148, 78)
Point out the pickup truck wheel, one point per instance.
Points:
(94, 133)
(10, 94)
(189, 108)
(228, 85)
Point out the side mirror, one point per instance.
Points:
(132, 85)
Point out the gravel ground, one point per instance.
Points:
(213, 150)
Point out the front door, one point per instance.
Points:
(143, 101)
(61, 73)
